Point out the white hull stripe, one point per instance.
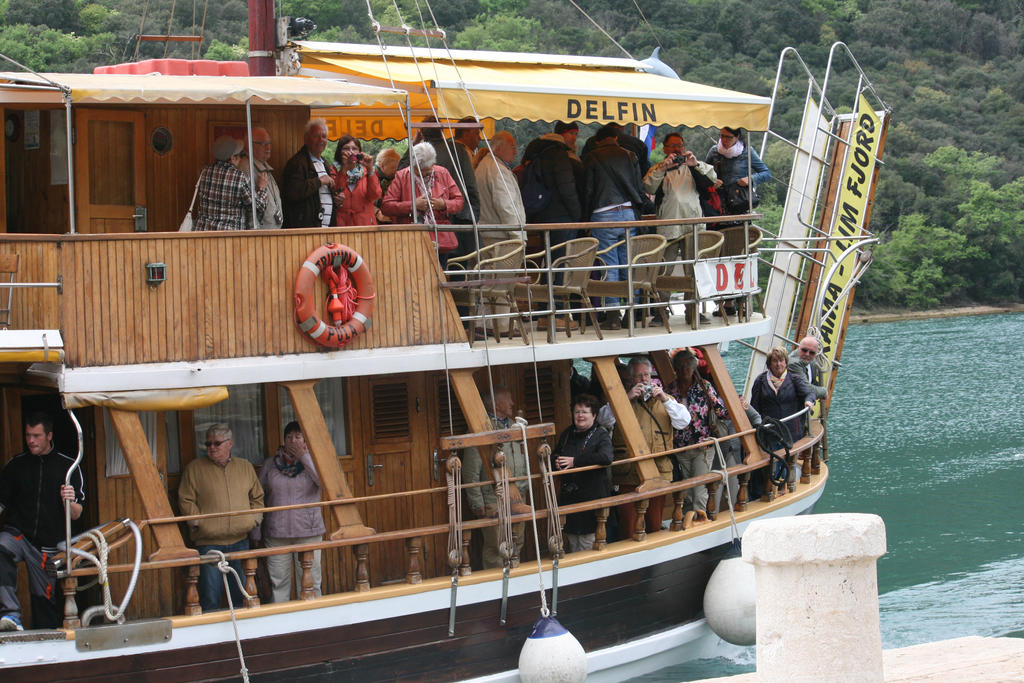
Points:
(311, 267)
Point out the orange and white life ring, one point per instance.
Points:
(334, 262)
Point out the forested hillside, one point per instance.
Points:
(950, 207)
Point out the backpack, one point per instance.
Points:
(536, 195)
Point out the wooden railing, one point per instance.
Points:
(226, 294)
(806, 450)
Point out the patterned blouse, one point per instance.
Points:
(696, 401)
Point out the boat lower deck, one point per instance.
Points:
(623, 592)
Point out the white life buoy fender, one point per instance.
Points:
(308, 320)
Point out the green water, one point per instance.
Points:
(927, 431)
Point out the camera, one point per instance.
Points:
(678, 160)
(646, 390)
(360, 157)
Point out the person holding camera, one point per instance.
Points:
(583, 443)
(357, 186)
(658, 415)
(678, 184)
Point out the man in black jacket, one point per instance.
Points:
(562, 174)
(33, 494)
(628, 142)
(613, 192)
(308, 183)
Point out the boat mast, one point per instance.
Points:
(262, 38)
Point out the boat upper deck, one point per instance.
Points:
(225, 310)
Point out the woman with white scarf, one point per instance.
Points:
(729, 158)
(778, 393)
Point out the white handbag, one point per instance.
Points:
(186, 223)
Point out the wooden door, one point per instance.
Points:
(391, 454)
(110, 152)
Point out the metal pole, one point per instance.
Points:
(252, 167)
(71, 168)
(67, 503)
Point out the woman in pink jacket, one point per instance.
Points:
(437, 196)
(357, 185)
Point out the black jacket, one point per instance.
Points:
(610, 177)
(790, 399)
(300, 191)
(562, 174)
(592, 447)
(631, 143)
(30, 492)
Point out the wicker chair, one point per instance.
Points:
(647, 250)
(579, 253)
(483, 288)
(709, 245)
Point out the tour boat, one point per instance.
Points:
(138, 337)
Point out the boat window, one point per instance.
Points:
(115, 462)
(242, 411)
(330, 394)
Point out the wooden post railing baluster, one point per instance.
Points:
(306, 561)
(741, 495)
(712, 508)
(192, 607)
(816, 459)
(70, 586)
(640, 526)
(805, 466)
(677, 510)
(249, 567)
(600, 532)
(464, 568)
(413, 550)
(362, 552)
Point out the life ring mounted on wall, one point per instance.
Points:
(350, 298)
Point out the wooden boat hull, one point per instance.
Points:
(620, 597)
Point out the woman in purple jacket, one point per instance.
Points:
(290, 478)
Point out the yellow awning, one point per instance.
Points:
(155, 88)
(536, 87)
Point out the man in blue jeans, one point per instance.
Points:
(613, 192)
(220, 483)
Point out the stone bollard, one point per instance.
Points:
(817, 597)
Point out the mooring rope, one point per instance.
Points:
(555, 544)
(225, 568)
(506, 542)
(544, 611)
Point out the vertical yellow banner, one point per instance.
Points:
(851, 203)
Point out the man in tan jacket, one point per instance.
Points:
(220, 483)
(658, 414)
